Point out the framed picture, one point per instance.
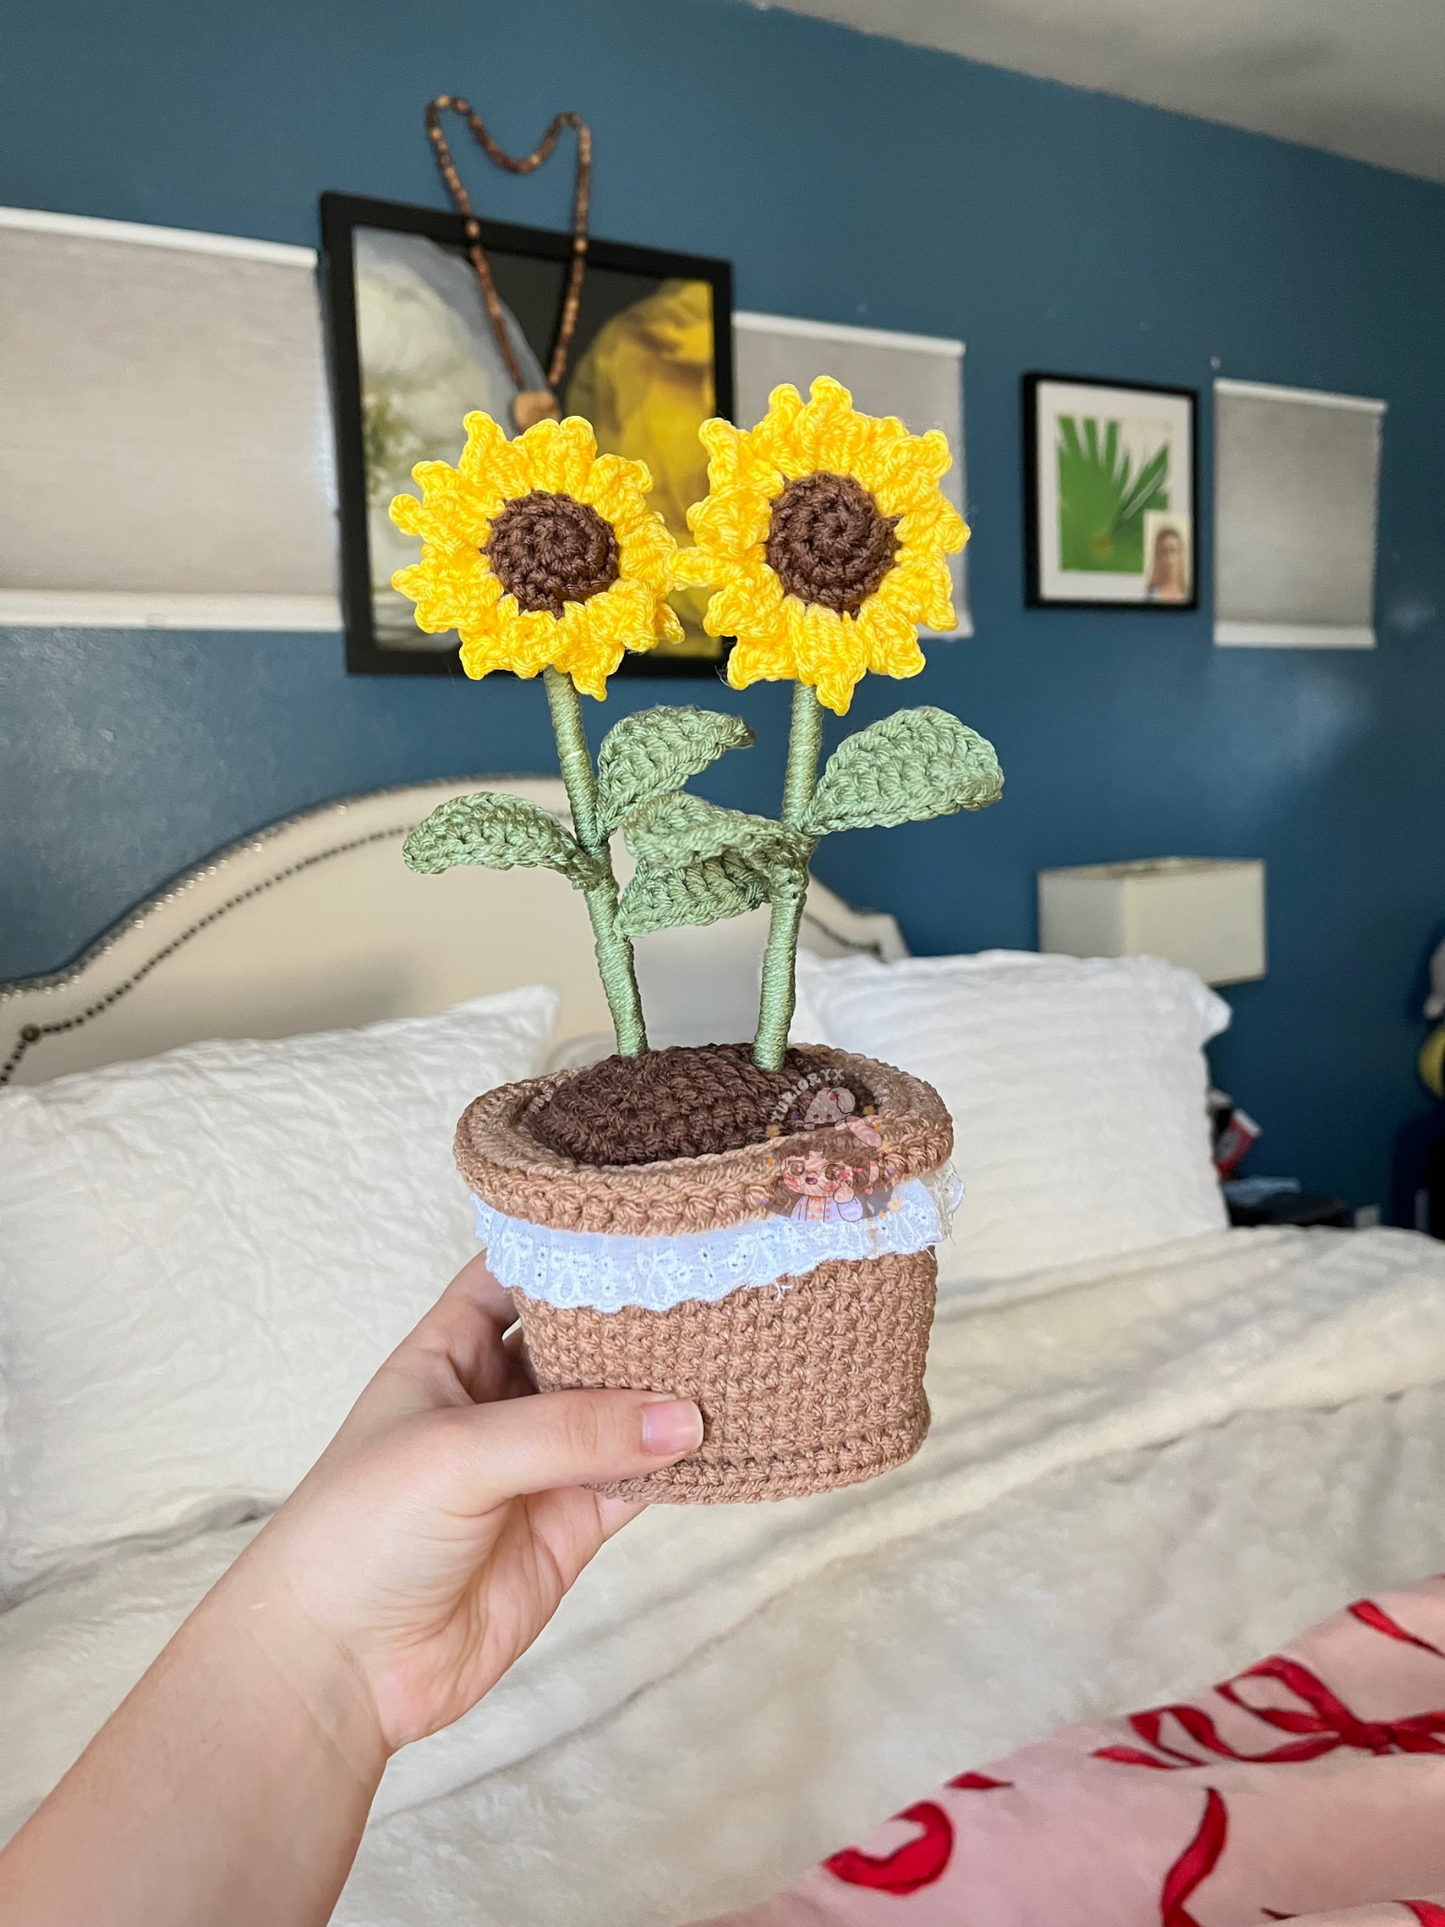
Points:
(1109, 491)
(412, 350)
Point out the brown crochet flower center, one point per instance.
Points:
(548, 550)
(829, 542)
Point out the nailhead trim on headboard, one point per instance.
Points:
(31, 1034)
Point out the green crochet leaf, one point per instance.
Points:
(919, 763)
(661, 897)
(656, 751)
(668, 830)
(500, 832)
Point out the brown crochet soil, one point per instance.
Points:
(679, 1103)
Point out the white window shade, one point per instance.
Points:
(919, 378)
(1296, 494)
(165, 437)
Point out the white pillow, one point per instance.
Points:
(1077, 1089)
(204, 1257)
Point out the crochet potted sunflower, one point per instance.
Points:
(751, 1226)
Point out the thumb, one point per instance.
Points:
(526, 1445)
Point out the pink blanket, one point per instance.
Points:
(1310, 1786)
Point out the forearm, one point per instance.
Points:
(428, 1546)
(231, 1787)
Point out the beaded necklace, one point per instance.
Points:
(531, 404)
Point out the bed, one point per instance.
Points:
(1146, 1466)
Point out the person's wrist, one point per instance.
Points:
(302, 1665)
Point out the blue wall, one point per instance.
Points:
(856, 180)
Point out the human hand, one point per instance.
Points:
(435, 1537)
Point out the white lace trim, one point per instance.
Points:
(606, 1271)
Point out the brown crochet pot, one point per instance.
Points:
(804, 1384)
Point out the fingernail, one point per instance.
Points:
(670, 1427)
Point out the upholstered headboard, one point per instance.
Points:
(315, 923)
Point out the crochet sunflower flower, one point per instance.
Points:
(824, 533)
(539, 552)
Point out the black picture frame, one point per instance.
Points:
(340, 216)
(1041, 582)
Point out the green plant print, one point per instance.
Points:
(1102, 500)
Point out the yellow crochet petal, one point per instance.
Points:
(447, 586)
(483, 587)
(436, 479)
(937, 524)
(609, 488)
(475, 625)
(625, 617)
(765, 651)
(745, 609)
(485, 440)
(891, 642)
(828, 403)
(646, 556)
(904, 475)
(830, 435)
(669, 627)
(749, 604)
(694, 569)
(481, 656)
(452, 511)
(731, 521)
(497, 638)
(634, 513)
(404, 511)
(490, 462)
(542, 449)
(591, 675)
(559, 455)
(588, 657)
(831, 655)
(487, 461)
(774, 433)
(721, 440)
(637, 609)
(741, 670)
(430, 513)
(752, 662)
(953, 532)
(920, 588)
(645, 532)
(577, 452)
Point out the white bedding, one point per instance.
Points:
(730, 1692)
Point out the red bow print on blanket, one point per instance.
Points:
(1195, 1864)
(1323, 1724)
(1379, 1621)
(917, 1863)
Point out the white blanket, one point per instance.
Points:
(1044, 1376)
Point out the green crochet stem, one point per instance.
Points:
(775, 1005)
(614, 952)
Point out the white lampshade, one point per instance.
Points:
(1195, 911)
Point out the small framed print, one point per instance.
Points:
(1109, 493)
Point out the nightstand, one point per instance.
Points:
(1292, 1207)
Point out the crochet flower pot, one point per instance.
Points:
(785, 1283)
(749, 1228)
